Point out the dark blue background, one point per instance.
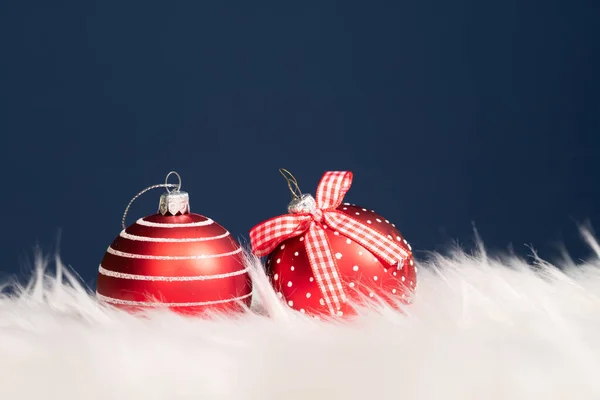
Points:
(447, 112)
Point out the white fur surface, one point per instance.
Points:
(479, 329)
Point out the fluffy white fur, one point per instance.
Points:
(480, 328)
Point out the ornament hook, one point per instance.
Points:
(162, 185)
(291, 180)
(167, 185)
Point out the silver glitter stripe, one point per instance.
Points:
(143, 222)
(121, 275)
(170, 240)
(118, 253)
(158, 304)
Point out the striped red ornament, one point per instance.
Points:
(176, 259)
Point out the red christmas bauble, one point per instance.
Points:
(176, 259)
(363, 274)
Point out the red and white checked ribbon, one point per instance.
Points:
(266, 236)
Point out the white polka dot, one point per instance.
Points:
(348, 241)
(290, 303)
(278, 260)
(405, 242)
(340, 313)
(311, 279)
(372, 211)
(292, 268)
(403, 296)
(415, 269)
(393, 290)
(357, 213)
(351, 284)
(375, 259)
(387, 222)
(378, 220)
(336, 233)
(302, 239)
(322, 302)
(302, 310)
(355, 268)
(308, 295)
(371, 294)
(276, 276)
(368, 221)
(394, 225)
(412, 262)
(364, 209)
(338, 255)
(279, 294)
(360, 253)
(385, 270)
(412, 283)
(296, 254)
(289, 283)
(282, 247)
(390, 237)
(346, 204)
(345, 208)
(398, 238)
(394, 273)
(403, 278)
(375, 278)
(409, 246)
(325, 226)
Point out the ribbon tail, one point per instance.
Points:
(324, 268)
(265, 248)
(332, 189)
(265, 237)
(392, 252)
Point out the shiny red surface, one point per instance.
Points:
(209, 266)
(173, 292)
(182, 232)
(195, 291)
(288, 265)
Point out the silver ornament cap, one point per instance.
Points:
(305, 203)
(174, 203)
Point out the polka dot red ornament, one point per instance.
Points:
(324, 257)
(176, 259)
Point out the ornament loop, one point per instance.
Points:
(291, 180)
(167, 185)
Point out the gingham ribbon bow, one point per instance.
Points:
(266, 236)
